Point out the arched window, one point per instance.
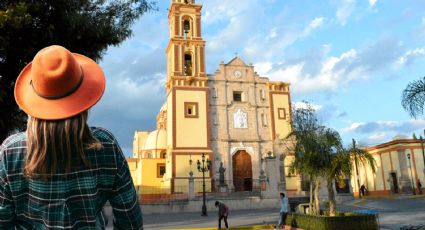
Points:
(186, 29)
(187, 64)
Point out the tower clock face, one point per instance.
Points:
(237, 73)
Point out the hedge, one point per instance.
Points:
(346, 221)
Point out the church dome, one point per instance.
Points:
(156, 140)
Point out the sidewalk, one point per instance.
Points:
(238, 219)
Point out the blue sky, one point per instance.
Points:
(350, 59)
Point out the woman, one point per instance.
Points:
(60, 173)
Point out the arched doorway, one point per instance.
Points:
(242, 171)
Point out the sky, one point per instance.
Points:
(350, 59)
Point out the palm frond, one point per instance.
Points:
(413, 98)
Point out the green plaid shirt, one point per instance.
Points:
(72, 202)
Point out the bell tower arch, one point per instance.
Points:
(186, 47)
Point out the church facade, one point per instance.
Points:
(232, 118)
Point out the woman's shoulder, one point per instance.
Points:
(15, 140)
(103, 135)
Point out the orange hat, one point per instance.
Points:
(59, 84)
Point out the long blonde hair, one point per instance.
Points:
(53, 144)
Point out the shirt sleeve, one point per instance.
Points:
(7, 207)
(124, 199)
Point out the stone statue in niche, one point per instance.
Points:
(240, 120)
(221, 171)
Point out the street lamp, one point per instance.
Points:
(411, 175)
(204, 168)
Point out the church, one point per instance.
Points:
(228, 121)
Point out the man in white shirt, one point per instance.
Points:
(284, 209)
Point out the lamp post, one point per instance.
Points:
(204, 168)
(411, 175)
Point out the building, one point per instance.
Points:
(399, 168)
(233, 117)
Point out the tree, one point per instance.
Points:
(337, 164)
(360, 156)
(83, 26)
(413, 98)
(308, 157)
(319, 153)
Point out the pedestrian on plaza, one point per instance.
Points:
(59, 173)
(223, 213)
(419, 186)
(284, 209)
(363, 190)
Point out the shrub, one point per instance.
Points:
(346, 221)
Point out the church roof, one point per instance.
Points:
(156, 140)
(236, 61)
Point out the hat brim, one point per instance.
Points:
(88, 93)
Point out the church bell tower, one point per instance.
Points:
(186, 48)
(188, 115)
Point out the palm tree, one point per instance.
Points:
(360, 156)
(308, 158)
(337, 164)
(339, 168)
(413, 97)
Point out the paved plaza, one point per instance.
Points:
(393, 213)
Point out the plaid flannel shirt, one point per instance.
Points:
(71, 201)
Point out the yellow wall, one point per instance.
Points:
(191, 132)
(170, 130)
(420, 165)
(138, 141)
(183, 166)
(379, 183)
(291, 182)
(282, 127)
(151, 184)
(182, 185)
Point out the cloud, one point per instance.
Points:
(318, 71)
(378, 132)
(344, 10)
(410, 56)
(135, 82)
(372, 3)
(377, 137)
(303, 105)
(398, 127)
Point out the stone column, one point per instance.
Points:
(191, 186)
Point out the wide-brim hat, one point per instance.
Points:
(59, 84)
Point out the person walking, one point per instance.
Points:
(59, 173)
(223, 213)
(284, 209)
(363, 190)
(419, 187)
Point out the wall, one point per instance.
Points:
(195, 205)
(391, 157)
(151, 184)
(291, 181)
(191, 132)
(282, 127)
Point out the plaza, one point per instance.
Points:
(393, 212)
